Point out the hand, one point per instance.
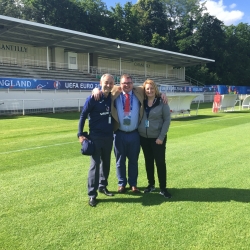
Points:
(82, 138)
(164, 98)
(158, 141)
(96, 93)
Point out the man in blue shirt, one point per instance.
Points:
(126, 137)
(101, 133)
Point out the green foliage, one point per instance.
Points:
(123, 23)
(11, 8)
(44, 203)
(237, 55)
(203, 74)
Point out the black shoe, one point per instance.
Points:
(149, 189)
(105, 191)
(165, 193)
(92, 202)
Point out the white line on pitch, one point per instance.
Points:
(25, 149)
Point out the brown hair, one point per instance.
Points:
(153, 84)
(126, 76)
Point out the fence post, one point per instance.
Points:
(53, 104)
(23, 108)
(79, 109)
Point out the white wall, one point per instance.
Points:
(42, 94)
(35, 100)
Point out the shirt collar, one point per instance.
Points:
(130, 92)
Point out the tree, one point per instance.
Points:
(124, 23)
(11, 8)
(82, 15)
(236, 63)
(203, 36)
(95, 17)
(153, 22)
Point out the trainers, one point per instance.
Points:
(165, 193)
(149, 189)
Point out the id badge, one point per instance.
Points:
(109, 119)
(127, 120)
(147, 124)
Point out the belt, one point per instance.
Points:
(127, 132)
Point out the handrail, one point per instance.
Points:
(8, 60)
(34, 63)
(192, 81)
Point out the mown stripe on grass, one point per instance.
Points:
(47, 146)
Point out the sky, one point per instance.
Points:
(228, 11)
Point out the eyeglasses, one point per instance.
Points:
(128, 83)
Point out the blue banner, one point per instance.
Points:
(226, 89)
(187, 89)
(23, 83)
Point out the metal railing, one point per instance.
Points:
(34, 63)
(8, 61)
(36, 106)
(192, 81)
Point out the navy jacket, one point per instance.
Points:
(99, 114)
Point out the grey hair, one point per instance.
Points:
(104, 75)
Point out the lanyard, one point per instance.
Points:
(107, 106)
(147, 108)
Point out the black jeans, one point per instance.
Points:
(155, 153)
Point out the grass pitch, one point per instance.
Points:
(43, 180)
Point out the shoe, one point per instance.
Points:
(149, 189)
(105, 191)
(92, 202)
(135, 189)
(165, 193)
(121, 189)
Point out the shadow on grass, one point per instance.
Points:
(9, 117)
(211, 194)
(193, 118)
(183, 194)
(202, 105)
(64, 116)
(238, 111)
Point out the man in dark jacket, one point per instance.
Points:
(101, 133)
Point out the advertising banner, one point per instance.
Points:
(186, 89)
(22, 83)
(226, 89)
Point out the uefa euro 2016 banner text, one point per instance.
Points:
(22, 83)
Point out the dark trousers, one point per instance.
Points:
(155, 153)
(127, 145)
(99, 164)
